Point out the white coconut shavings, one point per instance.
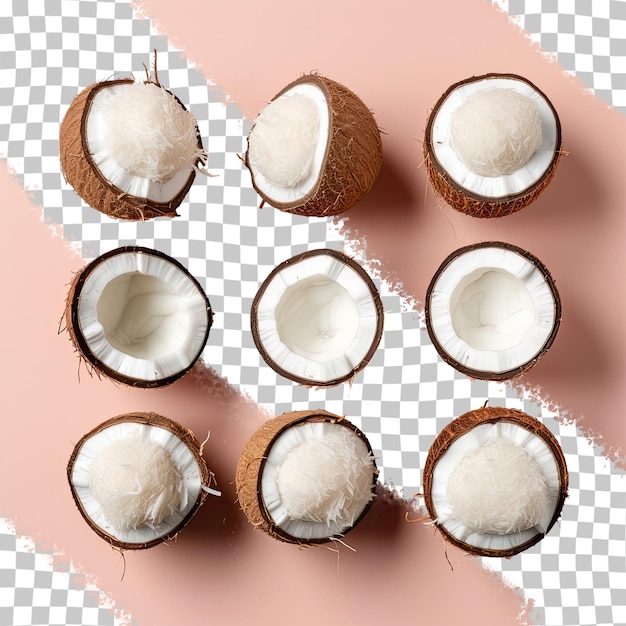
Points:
(136, 483)
(495, 132)
(327, 479)
(148, 133)
(285, 139)
(498, 488)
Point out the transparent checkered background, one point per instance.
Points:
(49, 50)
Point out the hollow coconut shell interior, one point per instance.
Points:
(372, 296)
(186, 437)
(85, 177)
(353, 156)
(252, 462)
(461, 426)
(476, 204)
(88, 356)
(510, 372)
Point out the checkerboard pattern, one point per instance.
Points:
(36, 588)
(587, 38)
(49, 51)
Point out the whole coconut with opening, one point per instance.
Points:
(495, 480)
(306, 477)
(137, 316)
(315, 149)
(317, 318)
(130, 149)
(492, 310)
(492, 144)
(138, 479)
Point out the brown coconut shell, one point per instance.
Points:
(83, 175)
(252, 462)
(254, 318)
(72, 324)
(469, 202)
(353, 157)
(481, 374)
(150, 419)
(461, 426)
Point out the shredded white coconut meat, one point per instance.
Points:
(495, 132)
(136, 483)
(148, 133)
(498, 488)
(285, 136)
(327, 479)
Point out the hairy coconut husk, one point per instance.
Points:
(254, 312)
(459, 427)
(252, 461)
(353, 156)
(72, 325)
(149, 419)
(471, 203)
(84, 176)
(480, 374)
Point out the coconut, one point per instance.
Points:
(492, 144)
(315, 149)
(138, 479)
(492, 310)
(495, 480)
(317, 319)
(137, 316)
(306, 477)
(130, 149)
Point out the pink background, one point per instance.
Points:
(399, 57)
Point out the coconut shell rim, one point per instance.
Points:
(155, 208)
(443, 174)
(484, 374)
(461, 426)
(154, 420)
(83, 347)
(362, 273)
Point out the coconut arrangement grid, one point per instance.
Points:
(230, 247)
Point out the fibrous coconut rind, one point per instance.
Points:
(184, 437)
(251, 466)
(84, 176)
(353, 158)
(460, 427)
(475, 204)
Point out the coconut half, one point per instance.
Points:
(306, 477)
(492, 310)
(130, 149)
(138, 479)
(136, 315)
(492, 144)
(315, 149)
(495, 481)
(317, 319)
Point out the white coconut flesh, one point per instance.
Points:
(317, 480)
(317, 319)
(136, 482)
(495, 137)
(287, 145)
(496, 486)
(142, 140)
(492, 310)
(142, 316)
